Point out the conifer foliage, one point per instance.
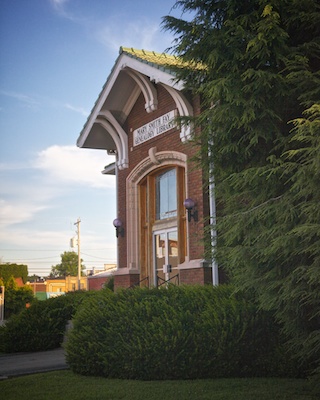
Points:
(260, 129)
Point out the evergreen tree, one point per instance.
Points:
(260, 90)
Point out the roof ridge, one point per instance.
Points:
(160, 60)
(133, 51)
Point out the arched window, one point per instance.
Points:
(166, 194)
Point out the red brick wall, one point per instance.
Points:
(125, 281)
(200, 276)
(97, 283)
(164, 142)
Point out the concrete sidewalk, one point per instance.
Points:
(16, 364)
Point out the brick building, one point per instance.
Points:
(98, 281)
(162, 197)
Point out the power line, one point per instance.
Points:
(28, 250)
(99, 249)
(90, 255)
(54, 261)
(31, 259)
(13, 260)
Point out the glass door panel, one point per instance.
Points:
(172, 238)
(160, 256)
(165, 255)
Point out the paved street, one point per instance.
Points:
(16, 364)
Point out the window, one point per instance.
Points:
(166, 195)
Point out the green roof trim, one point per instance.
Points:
(159, 60)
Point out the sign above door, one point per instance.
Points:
(154, 128)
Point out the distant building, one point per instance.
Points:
(107, 267)
(58, 286)
(19, 282)
(99, 280)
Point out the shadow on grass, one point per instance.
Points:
(68, 386)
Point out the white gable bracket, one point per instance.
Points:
(147, 88)
(184, 108)
(108, 122)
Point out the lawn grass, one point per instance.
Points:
(69, 386)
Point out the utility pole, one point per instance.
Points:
(79, 259)
(1, 304)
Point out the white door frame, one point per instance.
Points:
(166, 255)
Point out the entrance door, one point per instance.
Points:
(165, 256)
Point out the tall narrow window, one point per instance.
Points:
(166, 195)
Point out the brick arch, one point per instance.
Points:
(149, 165)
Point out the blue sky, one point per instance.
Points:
(55, 57)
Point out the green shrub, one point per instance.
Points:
(109, 284)
(42, 326)
(16, 298)
(175, 333)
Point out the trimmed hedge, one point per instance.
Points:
(175, 333)
(42, 326)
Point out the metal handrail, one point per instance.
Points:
(138, 283)
(166, 281)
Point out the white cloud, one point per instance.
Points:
(36, 102)
(32, 238)
(69, 164)
(56, 172)
(79, 110)
(58, 3)
(60, 7)
(142, 33)
(119, 28)
(26, 100)
(14, 212)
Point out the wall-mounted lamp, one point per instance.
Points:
(190, 207)
(117, 223)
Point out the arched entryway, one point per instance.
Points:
(157, 242)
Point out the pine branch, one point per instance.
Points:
(254, 208)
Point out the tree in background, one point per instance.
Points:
(260, 135)
(16, 270)
(68, 266)
(15, 298)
